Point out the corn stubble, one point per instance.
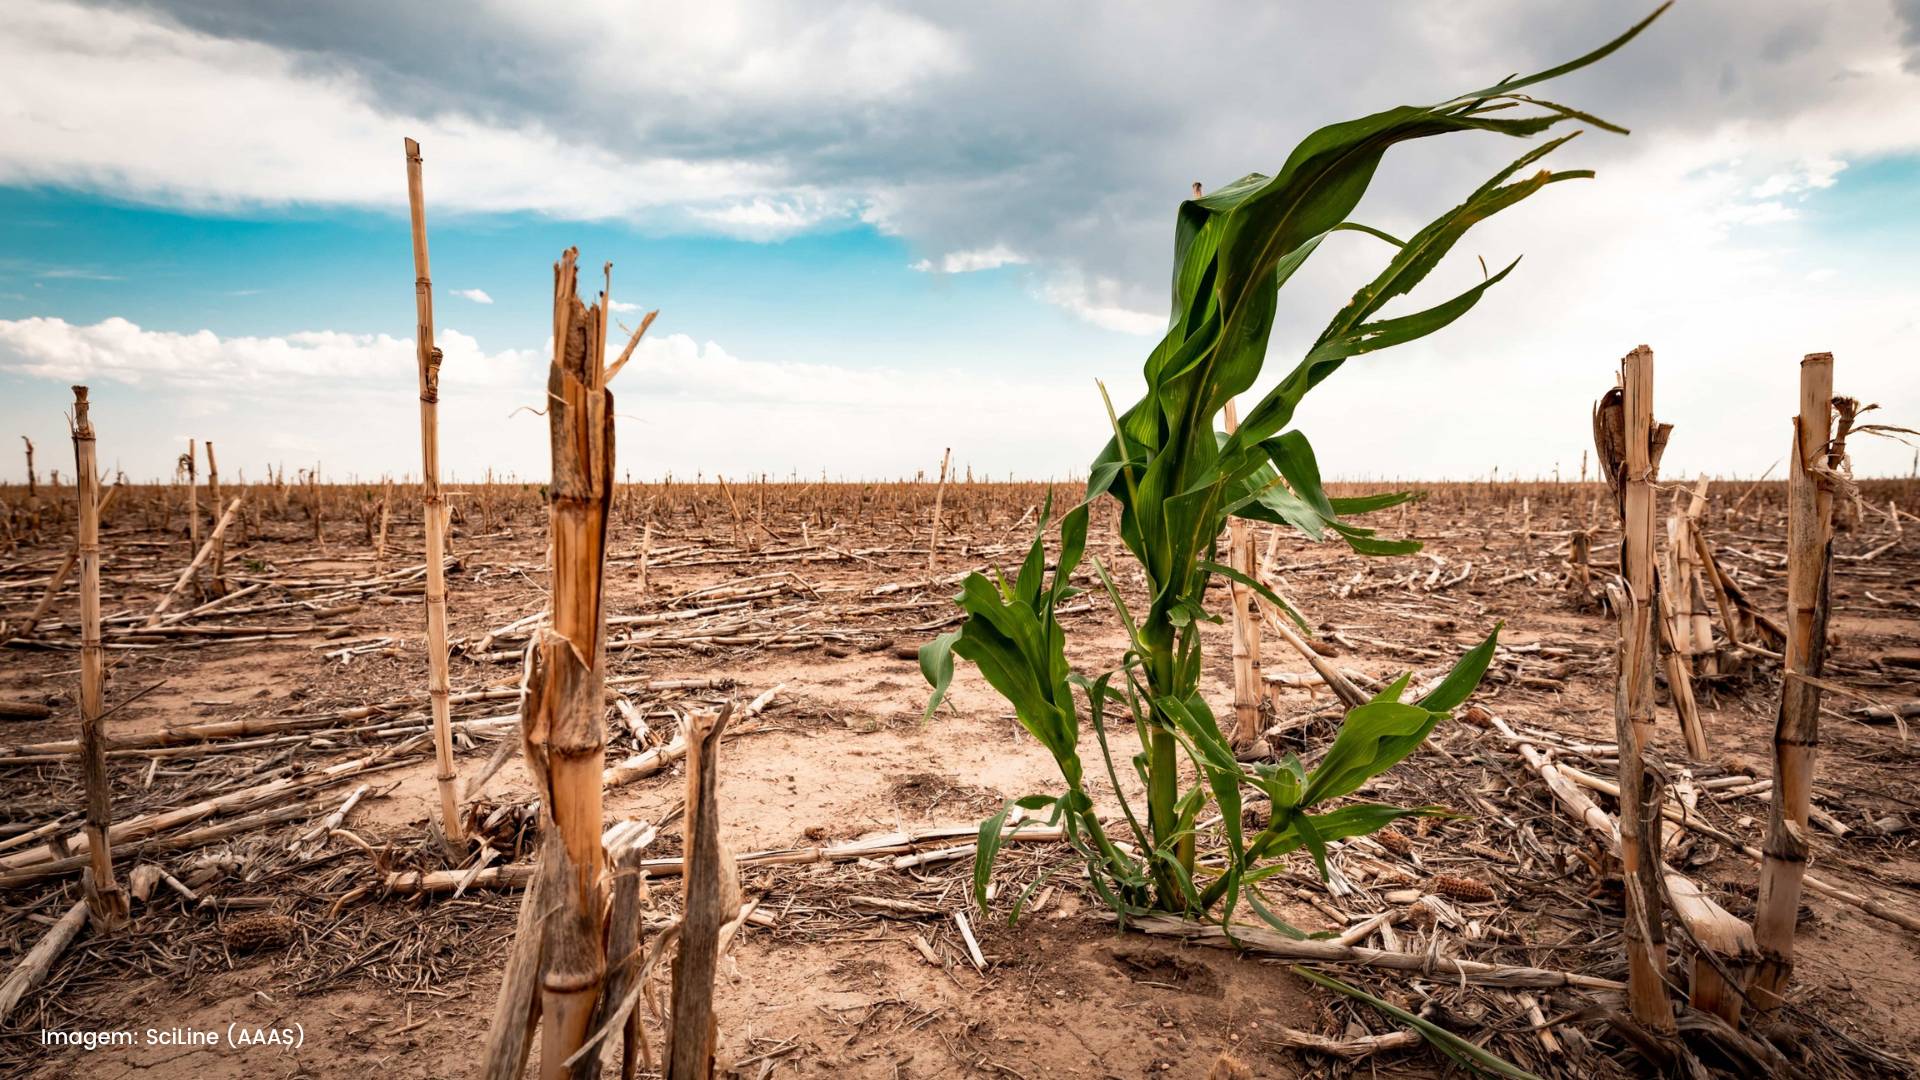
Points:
(559, 966)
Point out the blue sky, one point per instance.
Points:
(875, 230)
(847, 291)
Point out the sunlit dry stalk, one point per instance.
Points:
(562, 714)
(1796, 736)
(1629, 444)
(433, 511)
(710, 900)
(939, 498)
(386, 513)
(106, 900)
(193, 568)
(213, 498)
(57, 580)
(190, 463)
(1246, 621)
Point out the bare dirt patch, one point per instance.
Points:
(404, 984)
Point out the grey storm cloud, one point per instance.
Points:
(1065, 132)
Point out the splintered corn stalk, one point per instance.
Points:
(1629, 443)
(1796, 737)
(1179, 479)
(563, 730)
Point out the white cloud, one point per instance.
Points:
(1766, 213)
(622, 307)
(966, 262)
(1810, 175)
(126, 102)
(697, 403)
(1097, 302)
(478, 296)
(682, 406)
(118, 350)
(763, 218)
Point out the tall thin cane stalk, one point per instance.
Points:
(939, 499)
(1246, 623)
(213, 498)
(190, 462)
(106, 900)
(434, 512)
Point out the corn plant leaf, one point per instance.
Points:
(1020, 902)
(1453, 1046)
(1366, 545)
(1266, 594)
(1367, 504)
(1033, 571)
(1354, 819)
(1508, 86)
(1259, 906)
(1119, 604)
(936, 666)
(1293, 455)
(1373, 738)
(1465, 675)
(1303, 828)
(1392, 691)
(985, 850)
(1282, 783)
(1097, 694)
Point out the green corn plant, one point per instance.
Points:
(1178, 478)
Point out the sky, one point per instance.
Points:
(876, 230)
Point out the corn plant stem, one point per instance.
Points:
(1796, 735)
(433, 513)
(108, 904)
(1163, 763)
(1633, 704)
(1157, 641)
